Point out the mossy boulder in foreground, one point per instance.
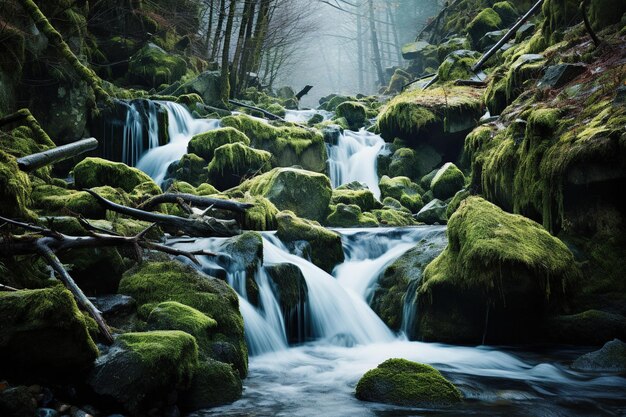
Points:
(402, 382)
(305, 193)
(96, 172)
(447, 181)
(325, 245)
(43, 335)
(498, 262)
(233, 162)
(205, 144)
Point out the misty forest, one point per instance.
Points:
(331, 208)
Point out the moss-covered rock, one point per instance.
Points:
(155, 282)
(611, 358)
(151, 66)
(233, 162)
(413, 163)
(305, 193)
(96, 172)
(434, 212)
(52, 200)
(292, 293)
(172, 315)
(325, 245)
(362, 197)
(603, 13)
(15, 188)
(190, 169)
(353, 112)
(456, 202)
(448, 180)
(205, 144)
(494, 261)
(288, 145)
(404, 190)
(402, 382)
(506, 11)
(262, 216)
(399, 79)
(487, 20)
(154, 365)
(214, 383)
(458, 65)
(391, 217)
(439, 117)
(344, 215)
(43, 336)
(589, 328)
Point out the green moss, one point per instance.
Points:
(289, 145)
(332, 104)
(487, 20)
(169, 357)
(419, 115)
(233, 162)
(15, 189)
(353, 112)
(399, 79)
(362, 198)
(206, 189)
(399, 381)
(394, 218)
(502, 260)
(51, 200)
(155, 282)
(456, 202)
(96, 172)
(326, 249)
(43, 335)
(458, 66)
(260, 217)
(205, 144)
(603, 13)
(214, 383)
(343, 215)
(151, 66)
(189, 169)
(305, 193)
(506, 11)
(558, 15)
(448, 180)
(404, 190)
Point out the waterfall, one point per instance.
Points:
(181, 128)
(133, 139)
(354, 158)
(303, 116)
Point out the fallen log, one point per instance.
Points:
(471, 83)
(304, 92)
(205, 227)
(195, 200)
(267, 114)
(35, 161)
(47, 243)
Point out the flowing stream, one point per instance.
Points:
(345, 338)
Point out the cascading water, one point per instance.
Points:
(181, 128)
(133, 142)
(303, 116)
(354, 158)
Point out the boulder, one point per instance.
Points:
(43, 336)
(292, 293)
(488, 20)
(451, 45)
(498, 261)
(362, 197)
(151, 66)
(591, 327)
(392, 217)
(140, 370)
(285, 93)
(113, 305)
(305, 193)
(172, 315)
(490, 39)
(458, 65)
(325, 249)
(15, 188)
(190, 169)
(402, 382)
(17, 402)
(448, 180)
(208, 85)
(404, 190)
(506, 11)
(524, 32)
(97, 172)
(343, 215)
(456, 202)
(152, 283)
(434, 212)
(413, 50)
(244, 254)
(556, 76)
(205, 144)
(353, 112)
(413, 163)
(234, 162)
(611, 358)
(214, 383)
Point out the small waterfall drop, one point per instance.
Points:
(303, 116)
(181, 128)
(354, 158)
(133, 139)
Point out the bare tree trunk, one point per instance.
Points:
(225, 78)
(218, 30)
(359, 47)
(375, 45)
(245, 17)
(247, 50)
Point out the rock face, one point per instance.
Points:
(142, 369)
(43, 335)
(498, 261)
(611, 358)
(151, 66)
(402, 382)
(305, 193)
(324, 245)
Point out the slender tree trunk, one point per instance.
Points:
(209, 29)
(244, 66)
(394, 28)
(359, 47)
(226, 52)
(245, 16)
(375, 45)
(218, 29)
(260, 34)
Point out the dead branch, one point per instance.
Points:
(304, 92)
(7, 288)
(37, 160)
(195, 200)
(206, 227)
(267, 114)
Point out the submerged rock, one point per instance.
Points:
(43, 335)
(498, 262)
(402, 382)
(611, 358)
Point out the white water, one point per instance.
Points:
(181, 128)
(133, 138)
(303, 116)
(354, 158)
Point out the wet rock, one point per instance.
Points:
(234, 162)
(17, 402)
(414, 50)
(458, 65)
(451, 45)
(46, 412)
(448, 180)
(413, 163)
(348, 194)
(332, 134)
(403, 190)
(97, 172)
(207, 85)
(114, 304)
(490, 39)
(292, 292)
(433, 213)
(214, 383)
(620, 96)
(353, 112)
(556, 76)
(592, 327)
(524, 32)
(488, 20)
(344, 215)
(402, 382)
(611, 358)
